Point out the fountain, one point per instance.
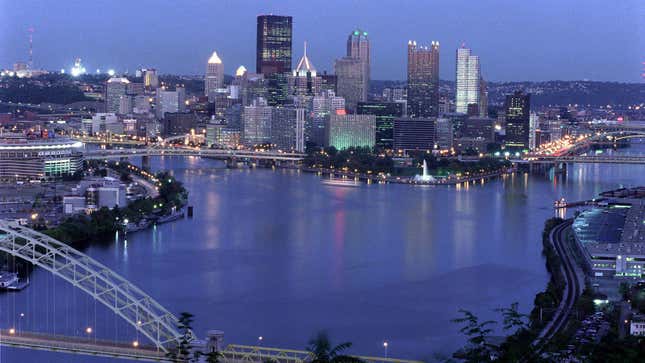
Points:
(425, 177)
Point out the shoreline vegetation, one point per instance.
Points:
(525, 328)
(99, 226)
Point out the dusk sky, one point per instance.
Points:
(516, 40)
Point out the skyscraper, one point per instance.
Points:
(273, 51)
(304, 80)
(468, 86)
(353, 70)
(115, 89)
(358, 46)
(517, 108)
(350, 81)
(423, 79)
(288, 128)
(214, 75)
(150, 78)
(257, 123)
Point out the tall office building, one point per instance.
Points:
(288, 128)
(423, 79)
(353, 70)
(517, 109)
(214, 75)
(304, 80)
(350, 81)
(115, 89)
(385, 113)
(273, 51)
(344, 131)
(358, 46)
(256, 123)
(468, 82)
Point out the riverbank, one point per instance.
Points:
(382, 178)
(101, 225)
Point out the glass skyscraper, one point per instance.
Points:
(517, 108)
(423, 80)
(468, 85)
(273, 51)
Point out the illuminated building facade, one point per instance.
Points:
(423, 79)
(350, 130)
(468, 82)
(385, 113)
(214, 79)
(24, 159)
(273, 51)
(517, 109)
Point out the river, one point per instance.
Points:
(278, 254)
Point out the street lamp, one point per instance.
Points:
(385, 344)
(135, 344)
(88, 330)
(260, 339)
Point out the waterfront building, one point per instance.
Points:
(444, 133)
(257, 123)
(323, 105)
(220, 135)
(115, 88)
(517, 109)
(178, 123)
(288, 128)
(414, 133)
(273, 50)
(102, 123)
(468, 81)
(214, 79)
(304, 80)
(385, 113)
(350, 81)
(95, 193)
(350, 130)
(611, 238)
(423, 80)
(29, 159)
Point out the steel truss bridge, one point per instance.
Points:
(211, 153)
(582, 159)
(125, 300)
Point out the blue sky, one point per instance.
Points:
(516, 40)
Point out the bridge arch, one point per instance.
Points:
(104, 285)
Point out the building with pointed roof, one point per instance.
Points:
(304, 80)
(214, 75)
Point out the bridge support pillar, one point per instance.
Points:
(145, 162)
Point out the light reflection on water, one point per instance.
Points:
(278, 254)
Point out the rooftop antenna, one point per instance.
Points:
(31, 47)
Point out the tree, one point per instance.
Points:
(182, 352)
(513, 319)
(478, 348)
(321, 351)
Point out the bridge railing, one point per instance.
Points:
(234, 353)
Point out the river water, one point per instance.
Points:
(278, 254)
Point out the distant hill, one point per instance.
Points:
(549, 92)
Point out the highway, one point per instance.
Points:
(572, 290)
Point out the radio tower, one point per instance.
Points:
(31, 47)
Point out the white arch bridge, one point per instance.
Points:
(101, 283)
(128, 302)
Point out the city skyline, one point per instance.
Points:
(536, 50)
